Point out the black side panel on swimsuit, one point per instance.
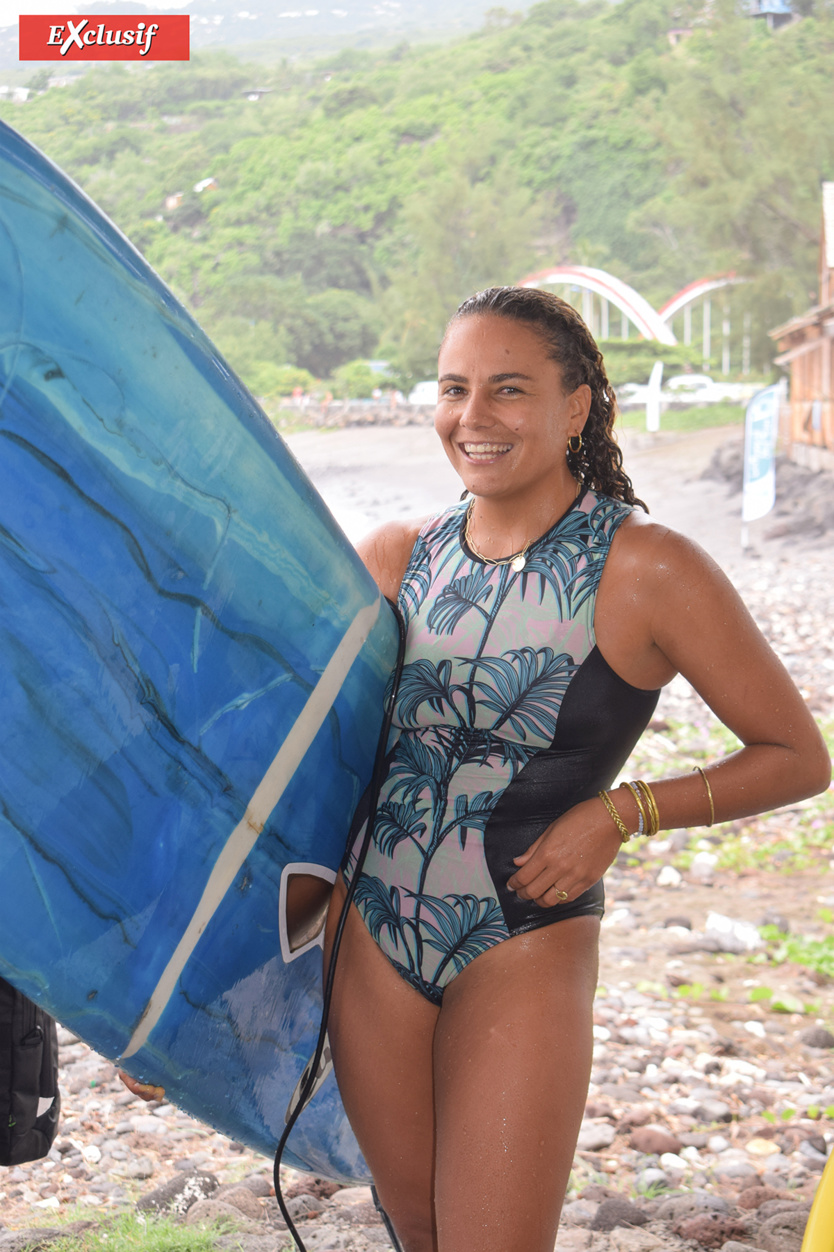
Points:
(600, 721)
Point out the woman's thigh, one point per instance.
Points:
(512, 1053)
(381, 1035)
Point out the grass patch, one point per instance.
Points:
(816, 954)
(137, 1232)
(694, 417)
(767, 844)
(787, 842)
(652, 1191)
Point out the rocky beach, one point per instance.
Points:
(711, 1109)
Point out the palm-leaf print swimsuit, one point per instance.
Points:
(507, 716)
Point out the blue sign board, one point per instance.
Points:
(761, 427)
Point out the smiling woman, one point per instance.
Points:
(543, 616)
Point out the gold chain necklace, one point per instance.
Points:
(517, 561)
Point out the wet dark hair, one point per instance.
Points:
(599, 462)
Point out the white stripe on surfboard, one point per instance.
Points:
(267, 794)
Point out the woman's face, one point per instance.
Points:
(503, 415)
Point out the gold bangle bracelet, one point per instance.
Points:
(651, 806)
(711, 821)
(641, 812)
(625, 833)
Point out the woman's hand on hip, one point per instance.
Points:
(568, 857)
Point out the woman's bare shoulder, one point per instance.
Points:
(681, 594)
(656, 552)
(386, 552)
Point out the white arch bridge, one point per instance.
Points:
(601, 291)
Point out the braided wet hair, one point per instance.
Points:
(599, 462)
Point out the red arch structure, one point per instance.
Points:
(637, 309)
(695, 291)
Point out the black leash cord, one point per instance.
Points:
(373, 799)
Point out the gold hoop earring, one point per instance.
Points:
(578, 447)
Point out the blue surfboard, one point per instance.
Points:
(193, 667)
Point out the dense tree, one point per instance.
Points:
(347, 210)
(459, 236)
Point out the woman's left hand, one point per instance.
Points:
(570, 856)
(144, 1090)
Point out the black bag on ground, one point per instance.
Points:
(29, 1099)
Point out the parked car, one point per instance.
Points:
(424, 393)
(682, 389)
(689, 382)
(701, 389)
(632, 396)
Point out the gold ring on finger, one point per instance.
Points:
(560, 895)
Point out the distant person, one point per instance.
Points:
(544, 614)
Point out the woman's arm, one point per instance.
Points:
(670, 609)
(386, 552)
(700, 625)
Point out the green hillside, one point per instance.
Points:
(360, 198)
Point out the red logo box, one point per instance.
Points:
(96, 37)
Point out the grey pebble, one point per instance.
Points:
(579, 1213)
(676, 1207)
(783, 1232)
(356, 1214)
(808, 1149)
(147, 1124)
(817, 1037)
(31, 1240)
(104, 1186)
(240, 1198)
(192, 1162)
(613, 1213)
(734, 1170)
(299, 1205)
(177, 1195)
(142, 1167)
(650, 1177)
(713, 1111)
(771, 1207)
(329, 1239)
(625, 1092)
(258, 1184)
(210, 1211)
(593, 1136)
(773, 918)
(244, 1242)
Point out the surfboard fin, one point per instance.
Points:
(324, 1068)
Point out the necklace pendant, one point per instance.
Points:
(518, 562)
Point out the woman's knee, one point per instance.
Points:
(414, 1226)
(414, 1239)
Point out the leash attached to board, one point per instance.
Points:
(320, 1063)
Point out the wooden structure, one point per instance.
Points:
(806, 348)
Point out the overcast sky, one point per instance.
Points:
(9, 9)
